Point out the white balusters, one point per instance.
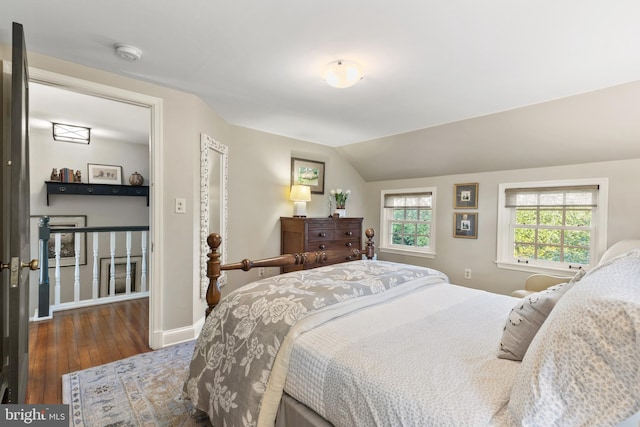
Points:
(112, 275)
(90, 284)
(76, 272)
(95, 282)
(57, 246)
(143, 272)
(128, 273)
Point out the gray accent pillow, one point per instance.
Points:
(526, 318)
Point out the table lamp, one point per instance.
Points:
(300, 194)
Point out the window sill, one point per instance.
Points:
(407, 252)
(537, 268)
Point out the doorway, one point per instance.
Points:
(105, 95)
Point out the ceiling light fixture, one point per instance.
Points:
(128, 52)
(71, 133)
(342, 74)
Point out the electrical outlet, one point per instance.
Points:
(181, 205)
(261, 271)
(467, 273)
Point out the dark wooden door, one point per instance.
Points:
(15, 251)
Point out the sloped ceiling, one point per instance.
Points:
(598, 126)
(469, 85)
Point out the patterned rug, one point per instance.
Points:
(143, 390)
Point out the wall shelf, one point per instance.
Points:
(80, 189)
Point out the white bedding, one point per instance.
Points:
(437, 364)
(442, 329)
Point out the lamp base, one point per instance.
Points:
(299, 209)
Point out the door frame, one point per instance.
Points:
(156, 221)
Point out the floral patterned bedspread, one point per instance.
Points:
(230, 376)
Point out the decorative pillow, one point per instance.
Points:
(525, 320)
(583, 367)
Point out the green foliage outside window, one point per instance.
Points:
(553, 234)
(411, 227)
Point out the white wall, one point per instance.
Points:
(45, 154)
(454, 254)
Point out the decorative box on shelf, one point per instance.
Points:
(80, 189)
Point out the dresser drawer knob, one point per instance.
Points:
(349, 233)
(322, 246)
(89, 190)
(322, 234)
(348, 244)
(115, 191)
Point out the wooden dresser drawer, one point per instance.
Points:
(319, 234)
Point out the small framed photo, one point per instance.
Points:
(466, 196)
(120, 274)
(308, 172)
(104, 174)
(67, 240)
(465, 225)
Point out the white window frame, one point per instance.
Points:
(505, 258)
(385, 226)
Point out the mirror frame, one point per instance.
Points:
(207, 146)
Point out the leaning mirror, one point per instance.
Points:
(213, 202)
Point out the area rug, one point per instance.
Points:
(142, 390)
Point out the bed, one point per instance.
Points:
(366, 342)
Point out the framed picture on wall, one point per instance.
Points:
(465, 225)
(119, 268)
(308, 172)
(67, 240)
(466, 196)
(104, 174)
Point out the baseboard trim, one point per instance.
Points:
(179, 335)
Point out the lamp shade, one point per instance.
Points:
(300, 193)
(342, 74)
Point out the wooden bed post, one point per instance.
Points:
(214, 267)
(213, 271)
(371, 250)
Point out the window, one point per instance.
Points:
(408, 221)
(558, 225)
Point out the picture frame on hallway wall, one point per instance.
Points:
(466, 196)
(308, 172)
(104, 174)
(120, 274)
(67, 240)
(465, 225)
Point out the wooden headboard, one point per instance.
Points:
(214, 268)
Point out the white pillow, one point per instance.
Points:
(526, 318)
(583, 367)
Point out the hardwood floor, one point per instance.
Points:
(82, 338)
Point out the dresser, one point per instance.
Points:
(318, 234)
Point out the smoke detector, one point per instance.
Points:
(128, 52)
